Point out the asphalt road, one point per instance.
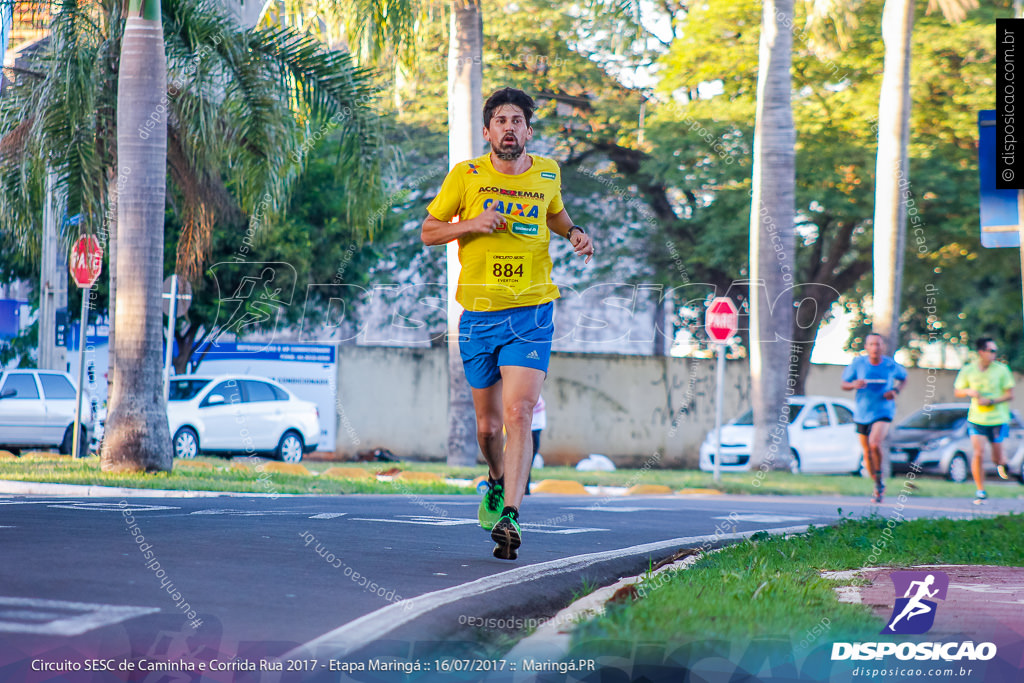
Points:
(170, 582)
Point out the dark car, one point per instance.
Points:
(935, 439)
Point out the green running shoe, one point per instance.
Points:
(491, 505)
(507, 535)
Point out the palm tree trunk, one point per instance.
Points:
(892, 177)
(771, 237)
(137, 437)
(465, 141)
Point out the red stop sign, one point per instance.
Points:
(721, 319)
(86, 261)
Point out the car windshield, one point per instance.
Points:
(186, 389)
(790, 413)
(946, 419)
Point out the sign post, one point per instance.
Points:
(720, 323)
(86, 264)
(171, 309)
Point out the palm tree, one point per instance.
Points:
(137, 433)
(892, 173)
(771, 235)
(236, 108)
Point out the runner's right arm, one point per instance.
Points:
(962, 388)
(436, 231)
(849, 380)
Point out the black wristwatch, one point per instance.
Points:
(568, 235)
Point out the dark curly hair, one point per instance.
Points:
(508, 96)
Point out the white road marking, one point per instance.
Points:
(456, 521)
(764, 519)
(114, 507)
(246, 513)
(329, 515)
(602, 508)
(62, 618)
(428, 521)
(377, 624)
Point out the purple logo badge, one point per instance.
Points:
(916, 592)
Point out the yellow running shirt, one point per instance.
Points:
(510, 267)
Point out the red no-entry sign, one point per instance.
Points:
(721, 319)
(86, 261)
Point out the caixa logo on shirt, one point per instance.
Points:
(513, 208)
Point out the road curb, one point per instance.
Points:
(355, 635)
(552, 640)
(565, 487)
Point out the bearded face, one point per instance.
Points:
(508, 132)
(509, 149)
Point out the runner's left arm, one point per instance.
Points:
(560, 223)
(1005, 398)
(898, 384)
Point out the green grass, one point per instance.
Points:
(771, 588)
(86, 471)
(773, 483)
(66, 470)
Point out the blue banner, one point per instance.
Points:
(1000, 210)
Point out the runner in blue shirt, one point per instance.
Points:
(878, 379)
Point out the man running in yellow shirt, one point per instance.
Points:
(989, 384)
(508, 203)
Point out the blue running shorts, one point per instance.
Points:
(994, 433)
(513, 336)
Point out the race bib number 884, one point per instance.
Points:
(509, 270)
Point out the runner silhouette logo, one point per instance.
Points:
(914, 612)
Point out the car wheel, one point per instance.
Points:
(958, 471)
(794, 463)
(1020, 474)
(289, 448)
(69, 441)
(186, 443)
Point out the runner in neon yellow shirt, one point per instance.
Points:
(508, 204)
(989, 384)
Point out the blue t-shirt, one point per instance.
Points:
(871, 406)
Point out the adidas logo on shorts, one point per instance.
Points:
(532, 355)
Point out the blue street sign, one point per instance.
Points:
(1000, 209)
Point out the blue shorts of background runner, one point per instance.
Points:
(994, 433)
(514, 336)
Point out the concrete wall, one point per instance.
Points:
(625, 407)
(394, 398)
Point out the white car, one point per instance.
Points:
(822, 438)
(239, 414)
(37, 410)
